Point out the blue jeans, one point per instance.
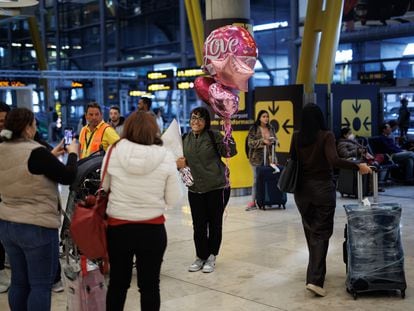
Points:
(406, 158)
(33, 253)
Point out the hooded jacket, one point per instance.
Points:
(143, 181)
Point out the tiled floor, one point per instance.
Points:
(262, 264)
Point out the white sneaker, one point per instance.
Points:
(317, 290)
(58, 287)
(196, 265)
(4, 281)
(210, 264)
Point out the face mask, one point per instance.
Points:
(351, 136)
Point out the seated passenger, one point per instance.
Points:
(349, 148)
(398, 155)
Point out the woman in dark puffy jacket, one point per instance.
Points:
(261, 135)
(348, 147)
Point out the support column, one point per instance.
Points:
(294, 34)
(218, 14)
(319, 43)
(227, 9)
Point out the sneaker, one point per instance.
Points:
(58, 287)
(196, 265)
(317, 290)
(251, 206)
(209, 264)
(4, 281)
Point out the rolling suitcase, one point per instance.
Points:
(267, 192)
(347, 183)
(84, 282)
(373, 250)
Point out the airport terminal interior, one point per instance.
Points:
(354, 58)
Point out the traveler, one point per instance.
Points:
(116, 120)
(29, 213)
(400, 156)
(4, 277)
(144, 104)
(260, 135)
(349, 148)
(96, 134)
(143, 181)
(315, 195)
(404, 117)
(209, 195)
(159, 118)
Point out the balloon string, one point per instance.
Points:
(227, 140)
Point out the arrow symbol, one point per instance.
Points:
(347, 123)
(356, 107)
(285, 126)
(274, 109)
(366, 123)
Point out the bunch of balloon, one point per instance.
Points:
(230, 54)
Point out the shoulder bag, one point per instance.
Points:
(88, 225)
(289, 176)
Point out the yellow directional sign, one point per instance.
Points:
(281, 118)
(356, 114)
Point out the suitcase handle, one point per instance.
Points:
(265, 154)
(374, 185)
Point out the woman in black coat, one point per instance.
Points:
(315, 195)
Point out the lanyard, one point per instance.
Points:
(88, 141)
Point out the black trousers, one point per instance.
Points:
(316, 201)
(148, 243)
(207, 212)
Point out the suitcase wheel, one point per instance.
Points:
(403, 293)
(354, 294)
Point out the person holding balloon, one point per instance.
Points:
(209, 195)
(229, 56)
(261, 135)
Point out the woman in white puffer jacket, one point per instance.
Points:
(142, 179)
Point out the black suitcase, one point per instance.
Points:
(267, 192)
(347, 183)
(373, 250)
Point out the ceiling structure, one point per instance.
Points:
(153, 32)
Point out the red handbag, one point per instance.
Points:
(88, 225)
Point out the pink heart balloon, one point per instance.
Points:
(201, 85)
(223, 101)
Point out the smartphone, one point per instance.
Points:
(68, 135)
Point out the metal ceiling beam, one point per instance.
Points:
(69, 74)
(378, 33)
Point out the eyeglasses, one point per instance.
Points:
(196, 118)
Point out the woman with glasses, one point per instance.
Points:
(209, 195)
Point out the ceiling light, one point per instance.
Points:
(270, 26)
